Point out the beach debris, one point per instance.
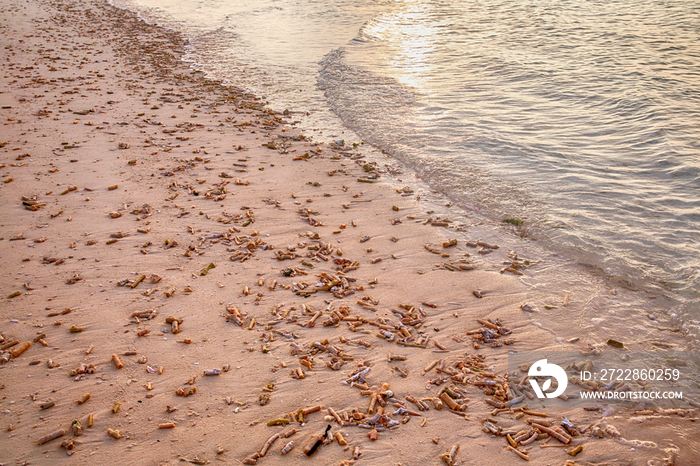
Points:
(52, 436)
(315, 441)
(68, 445)
(449, 456)
(76, 427)
(521, 454)
(435, 250)
(185, 392)
(510, 269)
(9, 343)
(17, 351)
(491, 333)
(82, 369)
(438, 221)
(175, 323)
(449, 401)
(117, 362)
(615, 343)
(268, 444)
(356, 453)
(195, 460)
(287, 448)
(47, 405)
(31, 203)
(340, 439)
(74, 279)
(114, 433)
(561, 436)
(570, 427)
(234, 315)
(456, 265)
(278, 422)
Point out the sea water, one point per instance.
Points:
(579, 117)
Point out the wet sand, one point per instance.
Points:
(156, 226)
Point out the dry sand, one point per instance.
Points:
(133, 167)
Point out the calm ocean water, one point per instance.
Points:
(580, 117)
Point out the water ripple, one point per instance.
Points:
(583, 116)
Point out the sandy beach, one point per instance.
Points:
(196, 279)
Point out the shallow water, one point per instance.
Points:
(578, 117)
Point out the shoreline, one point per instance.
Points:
(646, 298)
(173, 174)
